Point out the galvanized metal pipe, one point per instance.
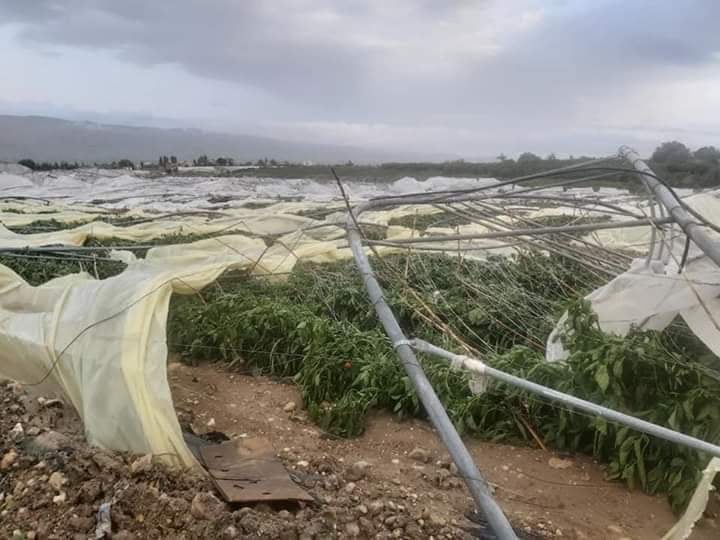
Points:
(526, 232)
(480, 367)
(710, 247)
(436, 412)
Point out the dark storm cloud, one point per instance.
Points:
(469, 64)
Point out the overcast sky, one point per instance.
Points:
(470, 77)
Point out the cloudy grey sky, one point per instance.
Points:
(471, 77)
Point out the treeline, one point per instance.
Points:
(682, 167)
(504, 167)
(672, 160)
(48, 166)
(67, 166)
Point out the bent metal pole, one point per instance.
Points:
(674, 207)
(436, 412)
(589, 407)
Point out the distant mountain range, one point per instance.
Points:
(53, 139)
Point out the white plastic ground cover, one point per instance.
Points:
(119, 189)
(258, 223)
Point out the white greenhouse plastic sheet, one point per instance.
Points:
(102, 343)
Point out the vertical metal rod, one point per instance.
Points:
(696, 233)
(580, 404)
(436, 412)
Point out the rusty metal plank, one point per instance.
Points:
(247, 471)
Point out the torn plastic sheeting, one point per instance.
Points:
(698, 502)
(261, 224)
(651, 297)
(102, 343)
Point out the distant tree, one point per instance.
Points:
(551, 157)
(349, 163)
(273, 163)
(173, 160)
(125, 164)
(671, 151)
(707, 153)
(29, 163)
(203, 161)
(501, 157)
(230, 162)
(528, 157)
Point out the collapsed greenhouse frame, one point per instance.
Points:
(667, 202)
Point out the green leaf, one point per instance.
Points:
(640, 462)
(602, 378)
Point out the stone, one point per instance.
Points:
(141, 465)
(205, 505)
(557, 463)
(60, 498)
(436, 520)
(91, 491)
(230, 532)
(81, 524)
(615, 529)
(33, 431)
(17, 432)
(8, 459)
(107, 462)
(49, 441)
(350, 487)
(376, 507)
(57, 480)
(352, 529)
(420, 454)
(289, 406)
(123, 535)
(357, 471)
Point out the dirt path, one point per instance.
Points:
(393, 482)
(572, 502)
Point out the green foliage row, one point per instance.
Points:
(318, 327)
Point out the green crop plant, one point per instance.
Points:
(318, 327)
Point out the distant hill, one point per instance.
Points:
(52, 139)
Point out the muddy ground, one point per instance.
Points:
(395, 481)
